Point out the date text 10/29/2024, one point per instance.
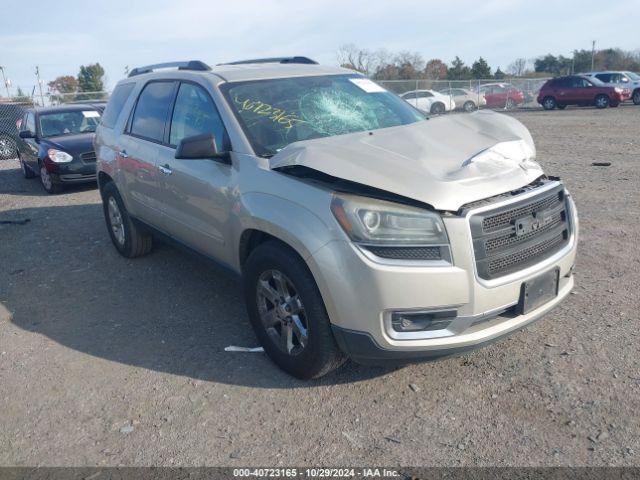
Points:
(315, 472)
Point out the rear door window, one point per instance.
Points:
(118, 98)
(150, 116)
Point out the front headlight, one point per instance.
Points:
(392, 230)
(618, 90)
(58, 156)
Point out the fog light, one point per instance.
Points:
(422, 321)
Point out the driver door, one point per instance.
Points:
(196, 194)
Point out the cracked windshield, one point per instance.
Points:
(277, 112)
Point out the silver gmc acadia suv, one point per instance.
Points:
(360, 227)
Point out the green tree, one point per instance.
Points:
(499, 75)
(458, 70)
(91, 79)
(481, 69)
(21, 97)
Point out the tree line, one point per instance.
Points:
(405, 65)
(67, 88)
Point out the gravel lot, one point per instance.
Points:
(106, 361)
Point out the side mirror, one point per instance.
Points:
(27, 134)
(199, 147)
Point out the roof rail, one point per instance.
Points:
(190, 65)
(297, 59)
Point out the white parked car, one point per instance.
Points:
(623, 79)
(429, 101)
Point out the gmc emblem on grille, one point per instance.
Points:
(531, 223)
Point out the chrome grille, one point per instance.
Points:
(520, 234)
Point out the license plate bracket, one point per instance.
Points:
(538, 291)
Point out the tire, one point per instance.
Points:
(274, 271)
(601, 101)
(47, 182)
(26, 170)
(437, 108)
(636, 97)
(127, 237)
(8, 147)
(549, 103)
(561, 107)
(469, 106)
(510, 104)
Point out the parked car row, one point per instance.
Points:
(599, 89)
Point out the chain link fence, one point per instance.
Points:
(440, 96)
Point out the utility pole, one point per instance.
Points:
(4, 79)
(40, 85)
(593, 54)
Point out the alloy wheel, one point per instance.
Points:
(6, 150)
(281, 312)
(45, 178)
(115, 220)
(602, 101)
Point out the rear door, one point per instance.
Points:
(142, 146)
(196, 192)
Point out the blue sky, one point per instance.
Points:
(61, 36)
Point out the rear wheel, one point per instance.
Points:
(510, 104)
(127, 237)
(437, 108)
(287, 312)
(602, 101)
(636, 97)
(549, 103)
(469, 106)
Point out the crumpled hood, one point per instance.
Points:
(441, 161)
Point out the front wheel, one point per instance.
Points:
(510, 105)
(47, 181)
(636, 97)
(602, 101)
(127, 237)
(287, 312)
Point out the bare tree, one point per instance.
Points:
(518, 67)
(355, 58)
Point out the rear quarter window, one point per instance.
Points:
(118, 98)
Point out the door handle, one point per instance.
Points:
(166, 169)
(123, 154)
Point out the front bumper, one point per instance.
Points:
(72, 172)
(360, 294)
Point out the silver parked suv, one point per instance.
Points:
(360, 227)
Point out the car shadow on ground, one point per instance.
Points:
(32, 186)
(169, 311)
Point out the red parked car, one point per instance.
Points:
(576, 90)
(502, 95)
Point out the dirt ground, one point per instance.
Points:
(106, 361)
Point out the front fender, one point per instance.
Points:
(290, 222)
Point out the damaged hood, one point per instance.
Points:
(445, 162)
